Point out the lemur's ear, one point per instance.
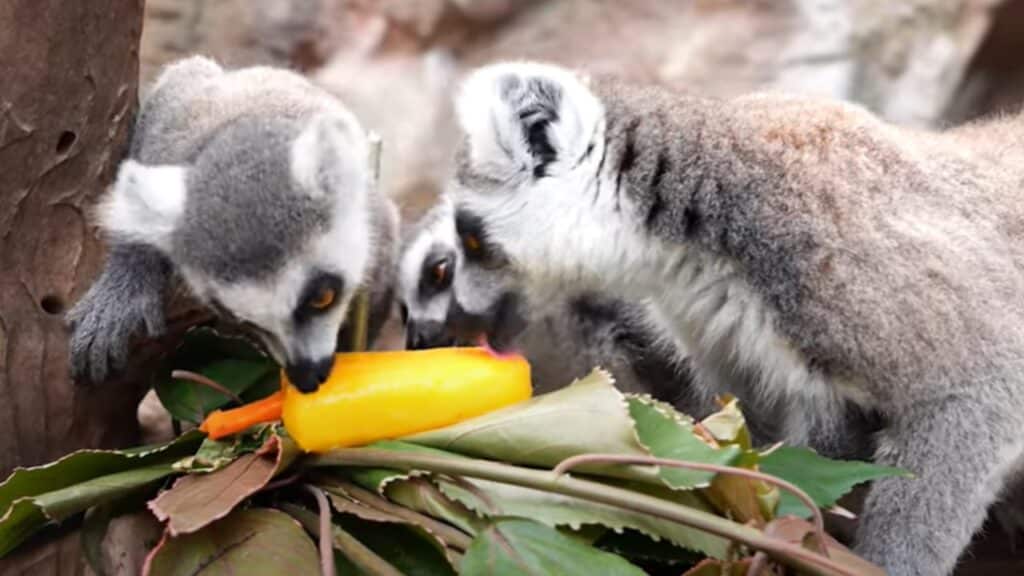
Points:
(144, 204)
(526, 120)
(330, 157)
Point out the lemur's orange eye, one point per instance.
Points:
(440, 272)
(322, 299)
(472, 243)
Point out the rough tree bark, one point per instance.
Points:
(68, 95)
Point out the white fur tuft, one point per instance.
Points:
(144, 204)
(497, 141)
(329, 144)
(187, 70)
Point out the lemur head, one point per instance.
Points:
(268, 224)
(488, 298)
(426, 270)
(449, 293)
(530, 178)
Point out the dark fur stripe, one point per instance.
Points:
(691, 221)
(600, 168)
(628, 158)
(660, 169)
(655, 210)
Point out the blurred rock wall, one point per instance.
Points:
(396, 62)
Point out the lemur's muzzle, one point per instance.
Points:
(427, 334)
(501, 324)
(307, 375)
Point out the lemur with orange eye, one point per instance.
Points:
(252, 186)
(808, 254)
(442, 288)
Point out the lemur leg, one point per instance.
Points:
(961, 450)
(127, 297)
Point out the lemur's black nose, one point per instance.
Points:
(307, 375)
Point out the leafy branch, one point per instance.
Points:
(794, 556)
(533, 487)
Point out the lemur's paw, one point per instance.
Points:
(102, 328)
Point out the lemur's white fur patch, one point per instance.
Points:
(410, 266)
(495, 130)
(328, 142)
(144, 204)
(570, 230)
(269, 302)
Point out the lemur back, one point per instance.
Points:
(810, 257)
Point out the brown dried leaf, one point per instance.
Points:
(801, 532)
(197, 500)
(254, 542)
(712, 567)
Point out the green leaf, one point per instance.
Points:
(824, 480)
(230, 361)
(85, 465)
(30, 513)
(728, 425)
(97, 521)
(349, 499)
(216, 454)
(409, 550)
(668, 434)
(557, 510)
(550, 427)
(423, 496)
(642, 549)
(254, 542)
(516, 546)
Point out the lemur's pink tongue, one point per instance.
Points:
(482, 342)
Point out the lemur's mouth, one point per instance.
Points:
(483, 342)
(498, 328)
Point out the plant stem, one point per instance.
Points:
(203, 380)
(364, 558)
(360, 311)
(359, 316)
(819, 522)
(787, 553)
(327, 567)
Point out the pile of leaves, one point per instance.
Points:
(584, 480)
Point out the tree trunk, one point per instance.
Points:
(68, 96)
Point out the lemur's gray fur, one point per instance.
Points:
(563, 339)
(808, 255)
(252, 185)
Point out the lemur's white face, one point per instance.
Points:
(297, 312)
(282, 246)
(425, 275)
(531, 179)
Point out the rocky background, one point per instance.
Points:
(925, 63)
(395, 62)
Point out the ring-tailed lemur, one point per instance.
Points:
(448, 300)
(802, 244)
(253, 186)
(426, 266)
